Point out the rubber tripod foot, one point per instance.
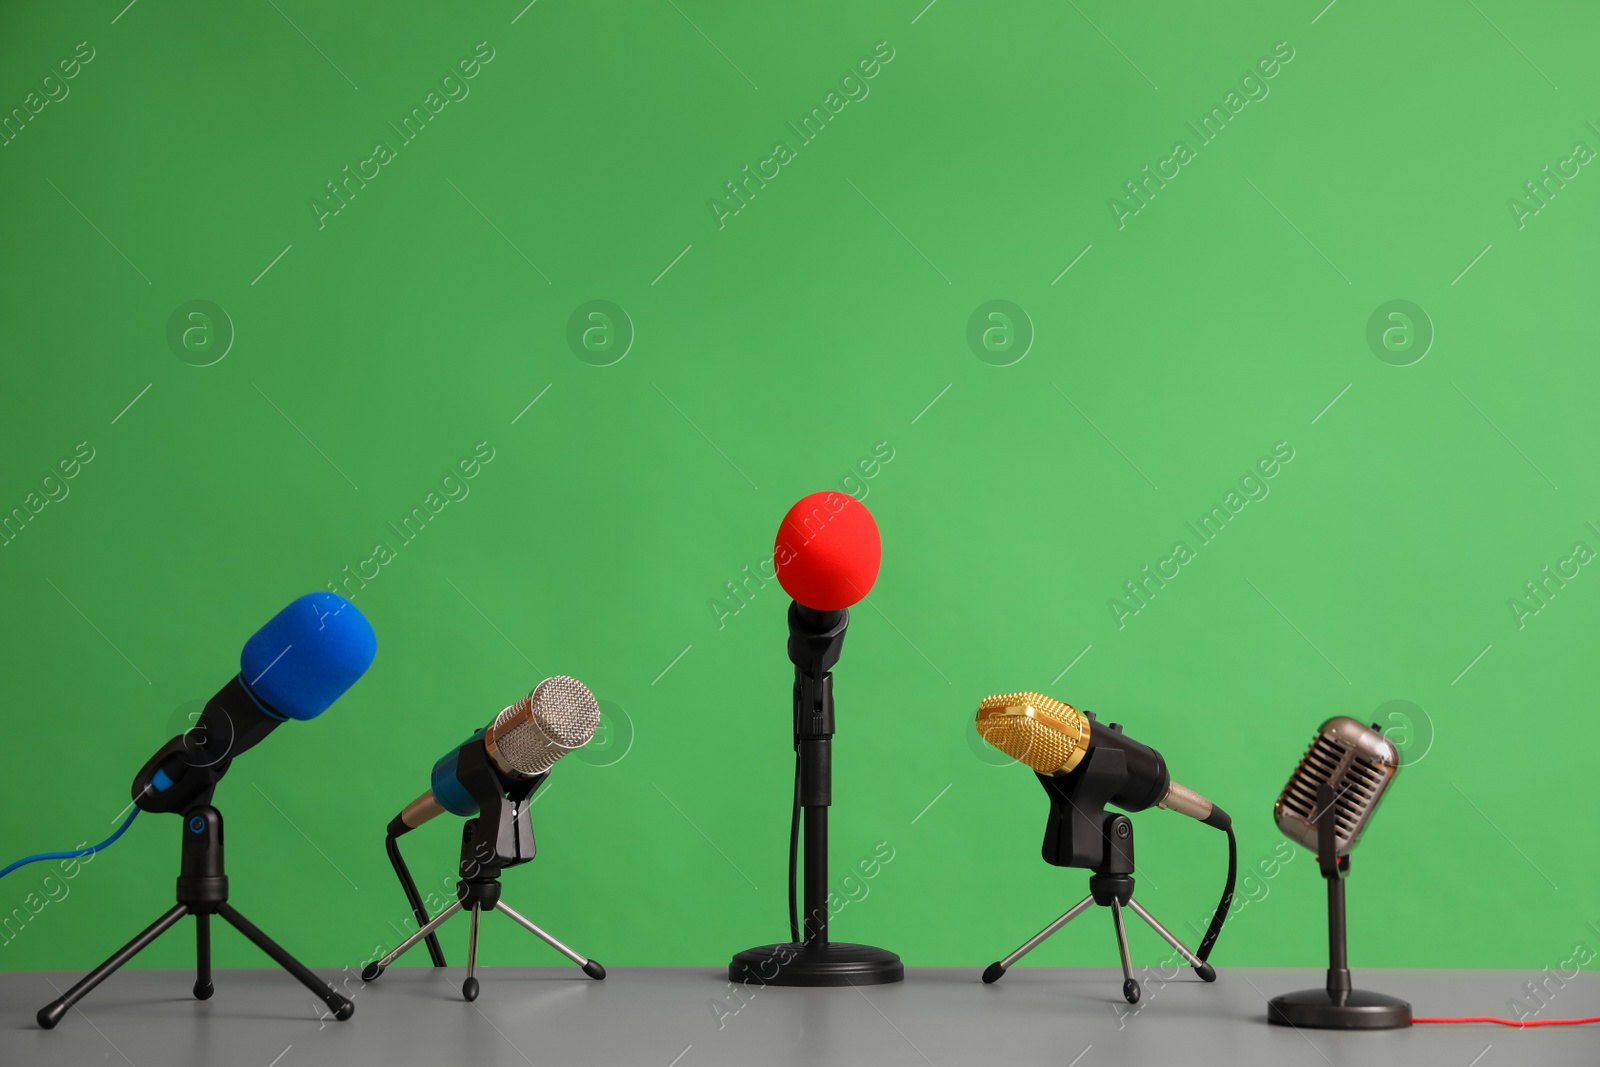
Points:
(51, 1014)
(595, 971)
(1206, 972)
(1131, 991)
(992, 973)
(469, 989)
(203, 990)
(342, 1007)
(371, 971)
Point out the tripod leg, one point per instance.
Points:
(1201, 967)
(995, 970)
(340, 1006)
(1130, 987)
(202, 956)
(469, 988)
(52, 1012)
(590, 967)
(370, 972)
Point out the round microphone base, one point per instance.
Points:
(831, 963)
(1361, 1010)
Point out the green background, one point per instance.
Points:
(771, 357)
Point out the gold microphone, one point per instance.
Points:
(1085, 765)
(1053, 738)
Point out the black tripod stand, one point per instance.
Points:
(500, 836)
(202, 892)
(1081, 833)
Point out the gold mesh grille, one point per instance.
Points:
(1047, 735)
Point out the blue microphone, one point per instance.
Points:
(305, 658)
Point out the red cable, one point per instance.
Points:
(1514, 1022)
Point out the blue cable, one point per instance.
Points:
(91, 850)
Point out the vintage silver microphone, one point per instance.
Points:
(1326, 806)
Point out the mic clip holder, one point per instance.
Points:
(501, 834)
(195, 761)
(498, 837)
(1081, 833)
(816, 639)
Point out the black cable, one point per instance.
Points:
(391, 845)
(1215, 930)
(794, 855)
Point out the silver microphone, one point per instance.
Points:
(524, 741)
(1358, 763)
(1327, 804)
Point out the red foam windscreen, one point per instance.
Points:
(828, 551)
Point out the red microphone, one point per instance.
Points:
(827, 555)
(828, 551)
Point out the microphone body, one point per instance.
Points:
(827, 554)
(294, 667)
(1054, 739)
(521, 745)
(445, 793)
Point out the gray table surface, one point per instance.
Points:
(664, 1017)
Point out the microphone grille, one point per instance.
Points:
(558, 716)
(1040, 731)
(1358, 762)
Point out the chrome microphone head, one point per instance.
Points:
(1358, 762)
(528, 737)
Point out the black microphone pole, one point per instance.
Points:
(815, 640)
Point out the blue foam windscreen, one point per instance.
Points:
(305, 658)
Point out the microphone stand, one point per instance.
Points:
(500, 836)
(1082, 833)
(1336, 1006)
(816, 639)
(202, 892)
